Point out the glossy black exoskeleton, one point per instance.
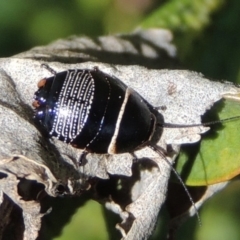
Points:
(94, 111)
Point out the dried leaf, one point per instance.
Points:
(181, 97)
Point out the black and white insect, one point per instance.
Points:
(98, 113)
(94, 112)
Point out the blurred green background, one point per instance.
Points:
(207, 36)
(207, 32)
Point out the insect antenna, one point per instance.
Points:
(173, 125)
(162, 153)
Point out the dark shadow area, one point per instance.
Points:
(178, 204)
(60, 213)
(12, 224)
(178, 201)
(29, 189)
(3, 175)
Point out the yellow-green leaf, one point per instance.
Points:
(217, 157)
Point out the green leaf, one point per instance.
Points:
(87, 223)
(216, 158)
(183, 15)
